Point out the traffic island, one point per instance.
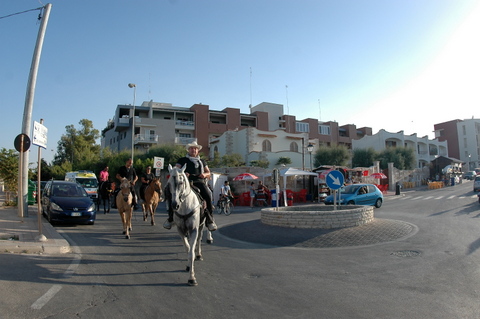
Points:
(315, 216)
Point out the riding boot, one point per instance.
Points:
(209, 221)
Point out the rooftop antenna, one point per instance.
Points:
(288, 109)
(319, 111)
(286, 93)
(149, 85)
(250, 106)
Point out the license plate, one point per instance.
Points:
(76, 214)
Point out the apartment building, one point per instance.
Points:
(463, 137)
(162, 123)
(426, 150)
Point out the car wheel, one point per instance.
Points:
(378, 203)
(351, 202)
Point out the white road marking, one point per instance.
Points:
(43, 300)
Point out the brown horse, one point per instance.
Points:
(124, 205)
(153, 195)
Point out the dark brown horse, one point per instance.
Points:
(153, 195)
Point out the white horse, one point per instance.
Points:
(124, 205)
(187, 209)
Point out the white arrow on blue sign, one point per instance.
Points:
(335, 179)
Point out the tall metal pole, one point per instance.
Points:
(27, 112)
(134, 86)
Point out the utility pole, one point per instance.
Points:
(27, 112)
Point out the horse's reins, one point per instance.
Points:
(182, 198)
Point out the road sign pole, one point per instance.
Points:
(41, 236)
(334, 199)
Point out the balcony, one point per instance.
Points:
(185, 125)
(146, 139)
(184, 140)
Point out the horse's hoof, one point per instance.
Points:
(209, 241)
(130, 229)
(187, 268)
(192, 282)
(127, 237)
(153, 223)
(124, 232)
(199, 258)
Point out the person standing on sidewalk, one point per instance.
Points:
(253, 194)
(103, 176)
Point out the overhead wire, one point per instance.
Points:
(13, 14)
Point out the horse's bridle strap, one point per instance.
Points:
(185, 217)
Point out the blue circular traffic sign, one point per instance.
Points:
(334, 179)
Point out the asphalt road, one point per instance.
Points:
(432, 273)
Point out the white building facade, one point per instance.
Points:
(258, 145)
(426, 150)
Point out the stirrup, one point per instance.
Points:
(167, 224)
(212, 226)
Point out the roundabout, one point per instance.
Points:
(314, 226)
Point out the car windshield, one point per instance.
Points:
(350, 189)
(87, 182)
(64, 190)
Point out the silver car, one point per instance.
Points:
(476, 184)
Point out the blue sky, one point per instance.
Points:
(387, 64)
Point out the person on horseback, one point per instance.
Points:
(129, 173)
(197, 172)
(146, 178)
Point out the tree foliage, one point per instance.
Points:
(260, 163)
(334, 155)
(402, 157)
(284, 160)
(9, 169)
(232, 160)
(78, 146)
(364, 157)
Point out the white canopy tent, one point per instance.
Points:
(291, 172)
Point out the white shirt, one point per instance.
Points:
(226, 190)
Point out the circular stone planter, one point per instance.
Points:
(317, 216)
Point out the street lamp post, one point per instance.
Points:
(310, 150)
(134, 86)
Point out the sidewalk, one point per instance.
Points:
(17, 236)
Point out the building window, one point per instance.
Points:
(266, 146)
(324, 130)
(302, 127)
(464, 129)
(293, 147)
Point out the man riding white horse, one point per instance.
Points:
(197, 172)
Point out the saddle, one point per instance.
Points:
(196, 191)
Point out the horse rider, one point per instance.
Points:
(129, 173)
(146, 178)
(198, 173)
